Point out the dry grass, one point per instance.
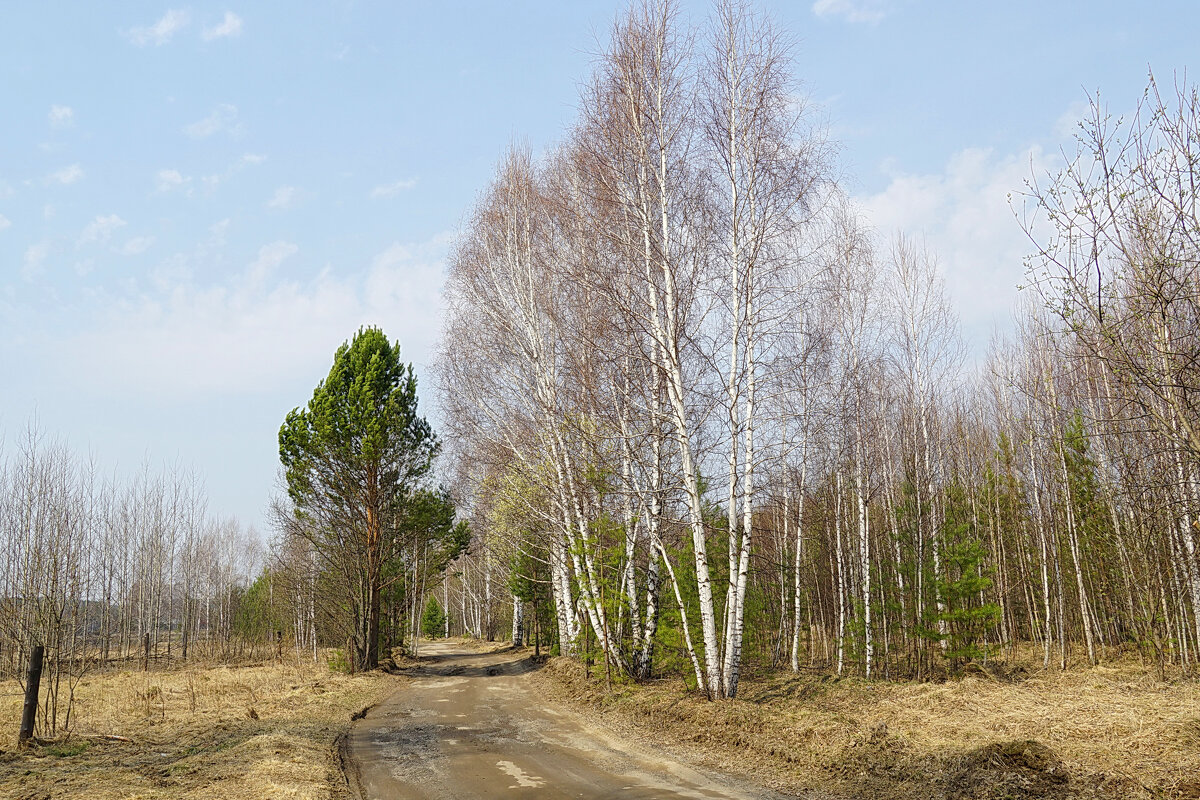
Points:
(200, 732)
(1112, 731)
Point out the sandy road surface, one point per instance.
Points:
(470, 725)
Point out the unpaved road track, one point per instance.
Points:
(471, 726)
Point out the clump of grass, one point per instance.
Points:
(68, 748)
(338, 662)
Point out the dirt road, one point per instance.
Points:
(470, 726)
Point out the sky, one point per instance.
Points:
(199, 203)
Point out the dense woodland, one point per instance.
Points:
(704, 418)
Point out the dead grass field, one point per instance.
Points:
(196, 732)
(1102, 732)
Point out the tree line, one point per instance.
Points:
(104, 570)
(700, 414)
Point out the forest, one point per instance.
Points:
(705, 419)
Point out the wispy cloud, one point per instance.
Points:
(230, 26)
(167, 179)
(100, 229)
(223, 119)
(161, 31)
(217, 233)
(284, 197)
(267, 326)
(962, 212)
(35, 257)
(136, 246)
(393, 189)
(5, 223)
(67, 175)
(61, 116)
(1067, 124)
(247, 160)
(869, 11)
(270, 256)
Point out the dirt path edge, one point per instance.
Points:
(351, 785)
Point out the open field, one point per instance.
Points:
(1105, 732)
(199, 732)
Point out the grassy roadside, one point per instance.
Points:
(1104, 732)
(201, 732)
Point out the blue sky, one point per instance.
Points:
(199, 202)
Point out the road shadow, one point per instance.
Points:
(506, 661)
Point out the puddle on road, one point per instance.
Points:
(523, 778)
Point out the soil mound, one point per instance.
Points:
(1013, 770)
(883, 766)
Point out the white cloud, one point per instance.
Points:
(247, 160)
(217, 233)
(260, 330)
(223, 119)
(167, 179)
(284, 197)
(161, 31)
(136, 246)
(393, 189)
(230, 26)
(1068, 124)
(100, 229)
(67, 175)
(35, 258)
(61, 116)
(964, 215)
(870, 11)
(395, 254)
(270, 256)
(5, 222)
